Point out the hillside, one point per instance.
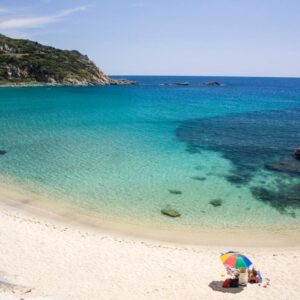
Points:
(24, 62)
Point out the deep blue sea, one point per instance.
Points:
(130, 151)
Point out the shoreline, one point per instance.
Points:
(111, 82)
(20, 85)
(16, 197)
(44, 256)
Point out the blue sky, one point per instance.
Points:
(171, 37)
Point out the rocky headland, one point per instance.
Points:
(28, 63)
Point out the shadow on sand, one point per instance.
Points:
(217, 286)
(7, 287)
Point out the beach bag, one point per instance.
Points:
(226, 283)
(234, 283)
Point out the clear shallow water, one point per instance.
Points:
(120, 150)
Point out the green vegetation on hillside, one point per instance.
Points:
(24, 61)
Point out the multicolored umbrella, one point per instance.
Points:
(235, 260)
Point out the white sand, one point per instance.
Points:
(43, 257)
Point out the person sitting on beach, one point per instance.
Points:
(233, 281)
(253, 276)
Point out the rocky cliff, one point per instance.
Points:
(24, 62)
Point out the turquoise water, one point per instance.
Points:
(121, 151)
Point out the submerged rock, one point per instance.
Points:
(198, 178)
(238, 179)
(297, 154)
(283, 197)
(212, 83)
(241, 138)
(168, 211)
(215, 202)
(2, 152)
(288, 165)
(175, 192)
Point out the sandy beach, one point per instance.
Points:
(149, 150)
(45, 258)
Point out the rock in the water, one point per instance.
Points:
(182, 83)
(122, 81)
(215, 202)
(212, 83)
(168, 211)
(285, 196)
(238, 179)
(241, 138)
(297, 154)
(175, 192)
(198, 178)
(288, 165)
(2, 152)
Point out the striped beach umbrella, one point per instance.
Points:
(235, 260)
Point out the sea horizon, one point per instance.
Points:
(207, 76)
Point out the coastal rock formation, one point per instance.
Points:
(212, 83)
(168, 211)
(122, 81)
(24, 62)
